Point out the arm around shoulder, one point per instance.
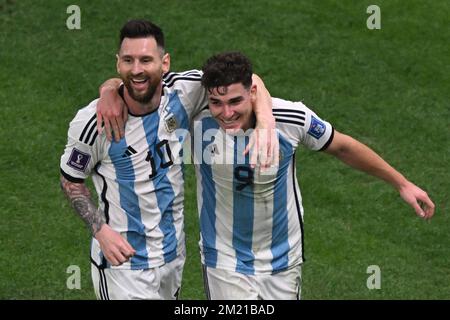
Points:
(111, 109)
(264, 142)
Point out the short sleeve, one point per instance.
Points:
(80, 154)
(301, 125)
(318, 133)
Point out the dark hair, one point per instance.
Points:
(224, 69)
(142, 29)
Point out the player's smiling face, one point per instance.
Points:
(232, 106)
(141, 65)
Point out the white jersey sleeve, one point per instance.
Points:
(81, 153)
(301, 125)
(189, 89)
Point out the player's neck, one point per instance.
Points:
(138, 108)
(250, 123)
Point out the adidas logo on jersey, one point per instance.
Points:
(130, 151)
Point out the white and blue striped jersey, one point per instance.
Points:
(139, 180)
(249, 222)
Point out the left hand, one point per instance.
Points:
(418, 199)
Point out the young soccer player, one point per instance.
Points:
(252, 224)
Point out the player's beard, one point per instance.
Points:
(146, 96)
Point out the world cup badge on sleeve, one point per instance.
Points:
(78, 160)
(316, 128)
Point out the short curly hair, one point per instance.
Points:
(227, 68)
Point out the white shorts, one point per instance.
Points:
(160, 283)
(230, 285)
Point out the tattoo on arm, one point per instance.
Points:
(80, 198)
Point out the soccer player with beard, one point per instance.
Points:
(138, 245)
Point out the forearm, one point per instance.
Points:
(263, 104)
(361, 157)
(80, 199)
(110, 84)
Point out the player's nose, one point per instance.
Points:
(228, 112)
(137, 68)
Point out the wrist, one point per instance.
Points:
(111, 85)
(401, 183)
(265, 122)
(107, 88)
(95, 229)
(97, 223)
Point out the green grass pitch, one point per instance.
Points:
(388, 88)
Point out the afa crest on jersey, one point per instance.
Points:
(317, 128)
(171, 123)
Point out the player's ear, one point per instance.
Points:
(253, 90)
(166, 63)
(117, 63)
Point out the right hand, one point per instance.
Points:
(112, 111)
(264, 148)
(115, 248)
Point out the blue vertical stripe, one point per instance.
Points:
(176, 108)
(280, 244)
(163, 188)
(130, 203)
(243, 210)
(208, 209)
